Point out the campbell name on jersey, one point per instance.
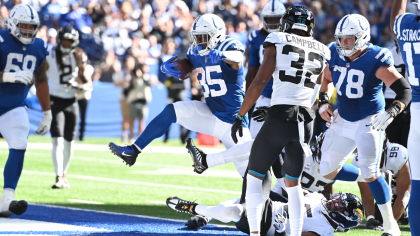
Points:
(222, 86)
(407, 30)
(359, 91)
(299, 62)
(60, 74)
(313, 221)
(17, 57)
(395, 158)
(256, 56)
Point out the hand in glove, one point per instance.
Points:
(237, 126)
(260, 113)
(167, 67)
(197, 222)
(22, 77)
(383, 119)
(45, 124)
(280, 223)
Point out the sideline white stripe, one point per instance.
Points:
(21, 225)
(100, 147)
(85, 201)
(120, 181)
(122, 214)
(158, 202)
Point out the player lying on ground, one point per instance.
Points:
(218, 61)
(321, 216)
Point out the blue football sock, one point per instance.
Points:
(414, 208)
(348, 173)
(13, 168)
(380, 190)
(157, 127)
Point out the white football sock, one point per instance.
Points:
(68, 154)
(222, 212)
(57, 155)
(237, 153)
(254, 200)
(280, 185)
(7, 197)
(296, 203)
(390, 224)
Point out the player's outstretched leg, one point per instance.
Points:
(198, 157)
(156, 128)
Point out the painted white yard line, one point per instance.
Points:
(158, 202)
(21, 225)
(131, 182)
(85, 201)
(101, 147)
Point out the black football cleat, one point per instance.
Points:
(197, 156)
(127, 153)
(180, 205)
(15, 207)
(374, 224)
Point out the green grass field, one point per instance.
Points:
(142, 189)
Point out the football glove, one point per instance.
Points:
(45, 124)
(384, 118)
(260, 113)
(280, 223)
(197, 222)
(237, 126)
(22, 77)
(167, 67)
(215, 55)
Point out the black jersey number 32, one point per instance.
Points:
(298, 65)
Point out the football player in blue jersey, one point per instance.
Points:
(218, 61)
(270, 16)
(406, 31)
(358, 70)
(22, 58)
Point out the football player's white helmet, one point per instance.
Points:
(272, 9)
(23, 14)
(417, 2)
(210, 30)
(356, 26)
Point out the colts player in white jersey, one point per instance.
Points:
(295, 60)
(22, 58)
(358, 70)
(218, 61)
(67, 62)
(320, 216)
(394, 162)
(406, 30)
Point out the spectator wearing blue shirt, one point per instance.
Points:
(77, 17)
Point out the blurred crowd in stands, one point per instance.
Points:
(131, 38)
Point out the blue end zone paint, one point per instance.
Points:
(119, 224)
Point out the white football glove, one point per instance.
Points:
(45, 124)
(280, 223)
(382, 120)
(23, 77)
